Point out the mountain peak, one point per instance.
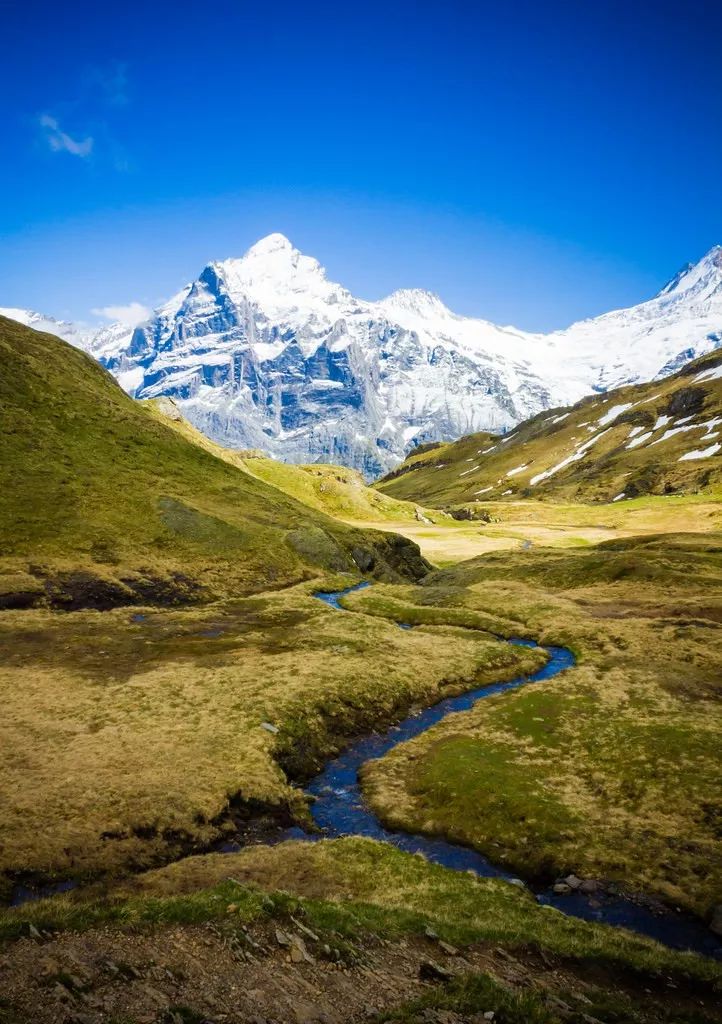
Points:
(275, 242)
(415, 300)
(275, 275)
(694, 276)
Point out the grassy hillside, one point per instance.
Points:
(338, 491)
(664, 437)
(102, 503)
(334, 490)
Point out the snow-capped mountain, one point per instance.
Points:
(266, 352)
(654, 338)
(76, 334)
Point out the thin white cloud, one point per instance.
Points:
(59, 141)
(131, 315)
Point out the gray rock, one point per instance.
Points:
(429, 970)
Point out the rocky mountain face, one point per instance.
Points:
(265, 352)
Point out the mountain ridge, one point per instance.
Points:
(264, 351)
(660, 438)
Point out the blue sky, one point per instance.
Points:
(532, 162)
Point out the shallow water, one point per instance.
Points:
(340, 810)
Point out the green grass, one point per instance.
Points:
(479, 994)
(352, 886)
(482, 792)
(335, 490)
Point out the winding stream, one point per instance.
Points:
(339, 809)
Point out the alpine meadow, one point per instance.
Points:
(361, 657)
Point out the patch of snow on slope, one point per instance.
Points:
(639, 440)
(574, 457)
(714, 373)
(612, 414)
(701, 454)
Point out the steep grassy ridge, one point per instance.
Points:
(664, 437)
(338, 491)
(102, 503)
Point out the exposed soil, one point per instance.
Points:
(277, 975)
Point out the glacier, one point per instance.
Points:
(265, 352)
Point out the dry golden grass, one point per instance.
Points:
(124, 739)
(521, 523)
